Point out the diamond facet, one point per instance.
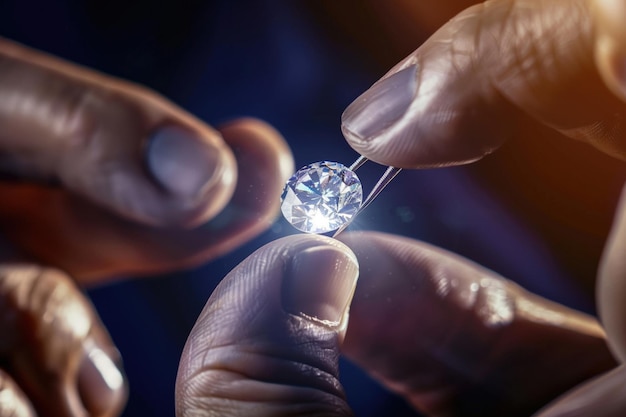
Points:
(321, 197)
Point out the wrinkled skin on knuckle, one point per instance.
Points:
(289, 366)
(45, 99)
(49, 322)
(539, 56)
(532, 46)
(530, 58)
(104, 140)
(220, 392)
(70, 114)
(242, 383)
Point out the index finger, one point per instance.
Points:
(455, 338)
(114, 143)
(476, 80)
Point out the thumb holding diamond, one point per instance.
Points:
(267, 341)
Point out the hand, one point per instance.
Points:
(102, 177)
(496, 71)
(488, 74)
(451, 337)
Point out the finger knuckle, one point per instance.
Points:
(89, 116)
(533, 41)
(40, 305)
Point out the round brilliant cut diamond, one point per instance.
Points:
(321, 197)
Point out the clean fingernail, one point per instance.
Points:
(180, 161)
(382, 105)
(101, 382)
(319, 284)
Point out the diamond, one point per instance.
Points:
(321, 197)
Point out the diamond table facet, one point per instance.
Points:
(321, 197)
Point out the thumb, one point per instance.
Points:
(477, 80)
(267, 342)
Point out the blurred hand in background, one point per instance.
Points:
(103, 178)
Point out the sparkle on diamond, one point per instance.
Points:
(321, 197)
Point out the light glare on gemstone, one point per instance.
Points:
(321, 197)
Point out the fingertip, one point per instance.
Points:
(428, 111)
(249, 128)
(289, 276)
(60, 353)
(274, 326)
(375, 123)
(141, 247)
(264, 162)
(101, 382)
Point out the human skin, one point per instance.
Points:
(103, 178)
(567, 75)
(452, 338)
(581, 334)
(551, 183)
(482, 79)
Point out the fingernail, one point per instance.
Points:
(319, 284)
(181, 162)
(101, 383)
(382, 105)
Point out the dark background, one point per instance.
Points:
(294, 67)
